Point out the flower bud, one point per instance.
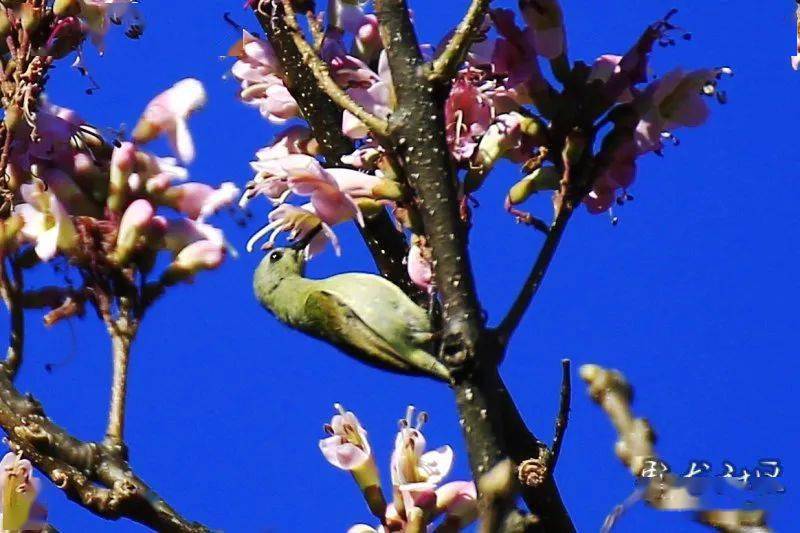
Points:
(66, 8)
(134, 222)
(541, 179)
(123, 161)
(9, 229)
(200, 255)
(31, 17)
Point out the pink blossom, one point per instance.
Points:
(197, 256)
(19, 491)
(99, 14)
(272, 98)
(619, 174)
(167, 114)
(300, 222)
(459, 501)
(604, 68)
(305, 176)
(677, 99)
(410, 462)
(347, 15)
(420, 269)
(376, 98)
(467, 115)
(347, 447)
(199, 200)
(514, 54)
(47, 222)
(256, 59)
(180, 233)
(547, 21)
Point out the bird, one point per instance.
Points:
(364, 315)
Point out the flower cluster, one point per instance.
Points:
(20, 511)
(501, 105)
(419, 496)
(99, 205)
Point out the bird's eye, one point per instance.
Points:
(275, 256)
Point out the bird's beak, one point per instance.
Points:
(301, 244)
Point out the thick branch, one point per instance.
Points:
(324, 79)
(444, 66)
(387, 245)
(99, 481)
(492, 425)
(534, 280)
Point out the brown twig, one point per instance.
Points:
(377, 125)
(443, 67)
(563, 413)
(523, 300)
(122, 332)
(387, 245)
(11, 292)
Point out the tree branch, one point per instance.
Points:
(563, 413)
(122, 332)
(512, 320)
(443, 67)
(491, 423)
(387, 245)
(636, 448)
(322, 74)
(89, 475)
(11, 292)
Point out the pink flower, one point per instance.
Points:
(301, 222)
(410, 462)
(199, 255)
(167, 114)
(547, 21)
(306, 177)
(347, 446)
(459, 501)
(514, 54)
(199, 200)
(99, 14)
(420, 269)
(677, 99)
(19, 491)
(604, 68)
(467, 115)
(376, 98)
(47, 223)
(256, 59)
(272, 98)
(619, 174)
(180, 233)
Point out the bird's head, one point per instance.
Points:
(277, 265)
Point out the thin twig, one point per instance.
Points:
(563, 414)
(443, 67)
(122, 333)
(11, 293)
(534, 280)
(326, 82)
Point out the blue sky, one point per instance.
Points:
(693, 295)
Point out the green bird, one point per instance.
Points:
(364, 315)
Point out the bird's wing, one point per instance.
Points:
(333, 319)
(385, 307)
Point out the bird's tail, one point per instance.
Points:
(427, 364)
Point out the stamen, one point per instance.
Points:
(422, 418)
(258, 235)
